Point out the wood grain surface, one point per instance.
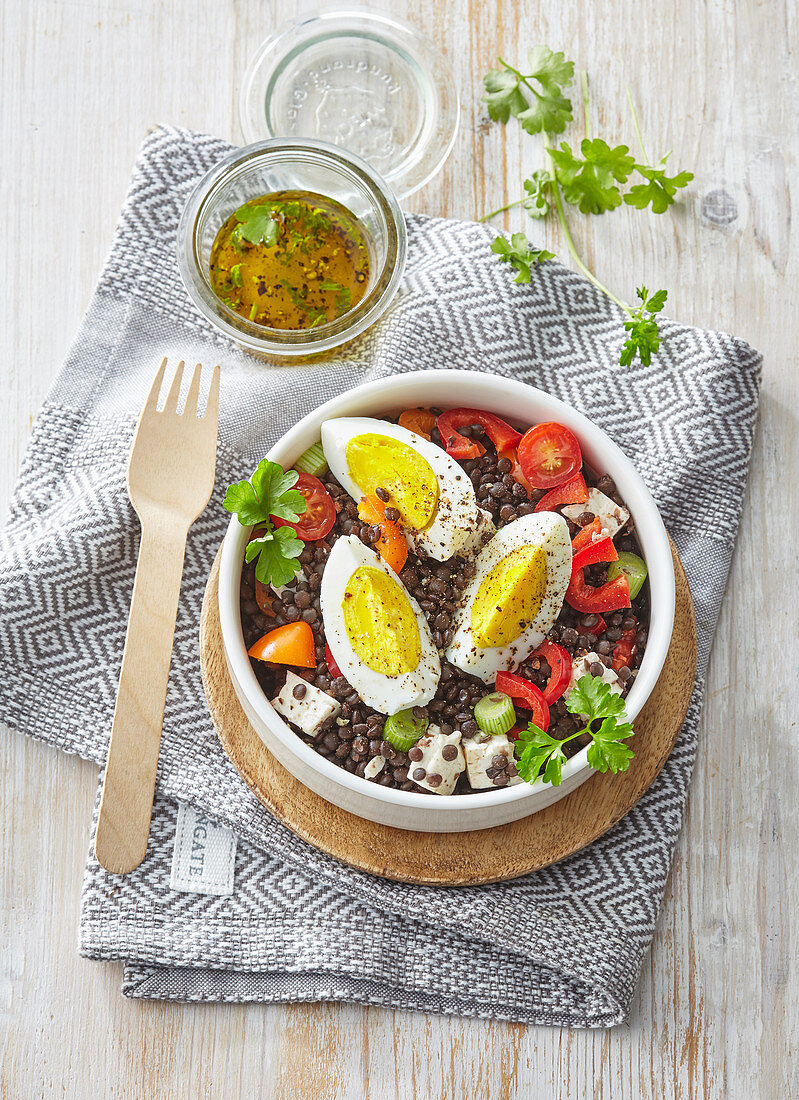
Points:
(716, 1013)
(455, 859)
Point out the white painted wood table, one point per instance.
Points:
(716, 1010)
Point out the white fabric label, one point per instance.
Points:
(204, 857)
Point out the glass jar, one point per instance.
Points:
(293, 165)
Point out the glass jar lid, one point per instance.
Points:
(361, 80)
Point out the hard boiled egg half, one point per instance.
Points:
(515, 596)
(376, 631)
(437, 506)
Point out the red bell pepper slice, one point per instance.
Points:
(594, 552)
(526, 695)
(612, 596)
(598, 628)
(560, 664)
(590, 533)
(623, 649)
(458, 446)
(573, 491)
(332, 667)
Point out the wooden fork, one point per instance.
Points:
(170, 479)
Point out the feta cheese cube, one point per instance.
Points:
(610, 514)
(495, 754)
(374, 767)
(438, 767)
(308, 712)
(581, 666)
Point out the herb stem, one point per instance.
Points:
(573, 249)
(635, 124)
(500, 210)
(522, 79)
(584, 80)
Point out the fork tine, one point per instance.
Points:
(171, 403)
(190, 408)
(212, 404)
(155, 390)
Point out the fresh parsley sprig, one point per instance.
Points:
(644, 338)
(541, 108)
(539, 755)
(518, 253)
(269, 493)
(590, 178)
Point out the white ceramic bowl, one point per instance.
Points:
(522, 405)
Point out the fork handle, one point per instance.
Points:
(129, 785)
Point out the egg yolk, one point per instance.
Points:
(378, 461)
(380, 622)
(509, 597)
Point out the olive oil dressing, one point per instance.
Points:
(290, 260)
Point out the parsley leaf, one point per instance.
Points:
(504, 98)
(519, 255)
(269, 493)
(511, 92)
(273, 487)
(607, 751)
(644, 335)
(242, 501)
(588, 181)
(257, 224)
(540, 756)
(276, 551)
(660, 189)
(539, 192)
(592, 697)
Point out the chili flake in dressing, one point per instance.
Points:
(290, 260)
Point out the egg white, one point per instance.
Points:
(547, 530)
(459, 527)
(387, 694)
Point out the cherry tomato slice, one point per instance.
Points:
(573, 491)
(549, 455)
(623, 649)
(421, 421)
(526, 695)
(391, 546)
(560, 664)
(263, 596)
(320, 512)
(332, 667)
(290, 644)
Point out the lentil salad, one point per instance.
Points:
(355, 735)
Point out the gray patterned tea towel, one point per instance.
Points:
(229, 904)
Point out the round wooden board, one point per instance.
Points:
(455, 859)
